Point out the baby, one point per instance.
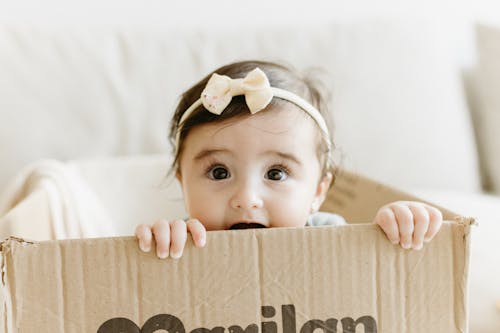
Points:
(253, 149)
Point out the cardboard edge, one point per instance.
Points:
(346, 179)
(5, 298)
(6, 249)
(467, 222)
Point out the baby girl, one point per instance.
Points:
(253, 149)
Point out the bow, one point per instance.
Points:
(220, 89)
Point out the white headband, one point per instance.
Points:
(220, 89)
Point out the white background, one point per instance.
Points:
(457, 16)
(115, 11)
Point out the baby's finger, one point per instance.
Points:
(404, 218)
(198, 232)
(178, 238)
(435, 222)
(421, 223)
(145, 237)
(161, 231)
(386, 219)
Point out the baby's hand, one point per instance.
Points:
(170, 236)
(409, 223)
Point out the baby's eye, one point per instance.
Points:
(218, 173)
(276, 174)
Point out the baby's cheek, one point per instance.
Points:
(293, 214)
(209, 222)
(195, 209)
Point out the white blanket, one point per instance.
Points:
(74, 209)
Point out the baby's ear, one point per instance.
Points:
(323, 187)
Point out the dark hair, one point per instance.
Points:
(280, 76)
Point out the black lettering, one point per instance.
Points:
(252, 328)
(288, 318)
(172, 324)
(349, 325)
(119, 325)
(269, 327)
(268, 311)
(216, 329)
(328, 326)
(165, 322)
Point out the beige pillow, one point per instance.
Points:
(487, 114)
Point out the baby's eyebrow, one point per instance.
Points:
(287, 156)
(207, 152)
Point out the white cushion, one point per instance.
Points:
(134, 189)
(399, 111)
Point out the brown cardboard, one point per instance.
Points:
(283, 280)
(358, 198)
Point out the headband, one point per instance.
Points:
(220, 89)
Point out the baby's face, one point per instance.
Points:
(260, 169)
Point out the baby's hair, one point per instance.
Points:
(279, 75)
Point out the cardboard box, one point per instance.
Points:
(283, 280)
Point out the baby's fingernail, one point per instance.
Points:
(427, 239)
(162, 254)
(144, 248)
(203, 241)
(418, 246)
(176, 255)
(395, 241)
(405, 245)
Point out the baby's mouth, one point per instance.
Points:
(244, 225)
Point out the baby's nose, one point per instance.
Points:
(246, 197)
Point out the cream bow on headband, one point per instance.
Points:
(220, 89)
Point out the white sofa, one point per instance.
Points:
(404, 114)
